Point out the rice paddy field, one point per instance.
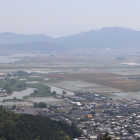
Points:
(102, 74)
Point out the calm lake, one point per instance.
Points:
(16, 57)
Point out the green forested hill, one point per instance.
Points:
(29, 127)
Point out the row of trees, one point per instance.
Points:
(40, 105)
(106, 137)
(63, 92)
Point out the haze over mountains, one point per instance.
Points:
(108, 37)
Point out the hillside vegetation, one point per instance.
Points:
(29, 127)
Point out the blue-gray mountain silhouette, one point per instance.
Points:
(108, 37)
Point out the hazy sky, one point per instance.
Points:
(65, 17)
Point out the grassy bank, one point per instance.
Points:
(41, 88)
(36, 95)
(30, 79)
(11, 85)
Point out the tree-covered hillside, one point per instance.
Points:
(29, 127)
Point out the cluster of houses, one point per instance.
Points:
(121, 119)
(95, 115)
(3, 92)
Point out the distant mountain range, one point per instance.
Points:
(32, 46)
(11, 38)
(108, 37)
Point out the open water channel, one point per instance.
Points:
(18, 94)
(28, 91)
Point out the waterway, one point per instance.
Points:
(19, 94)
(51, 99)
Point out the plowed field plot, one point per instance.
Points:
(105, 79)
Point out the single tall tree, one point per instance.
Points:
(106, 137)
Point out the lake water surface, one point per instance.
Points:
(17, 57)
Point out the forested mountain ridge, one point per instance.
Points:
(29, 127)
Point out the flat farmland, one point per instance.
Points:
(84, 86)
(102, 73)
(57, 59)
(116, 81)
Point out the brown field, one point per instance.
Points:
(126, 82)
(105, 79)
(133, 84)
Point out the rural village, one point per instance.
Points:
(94, 113)
(120, 119)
